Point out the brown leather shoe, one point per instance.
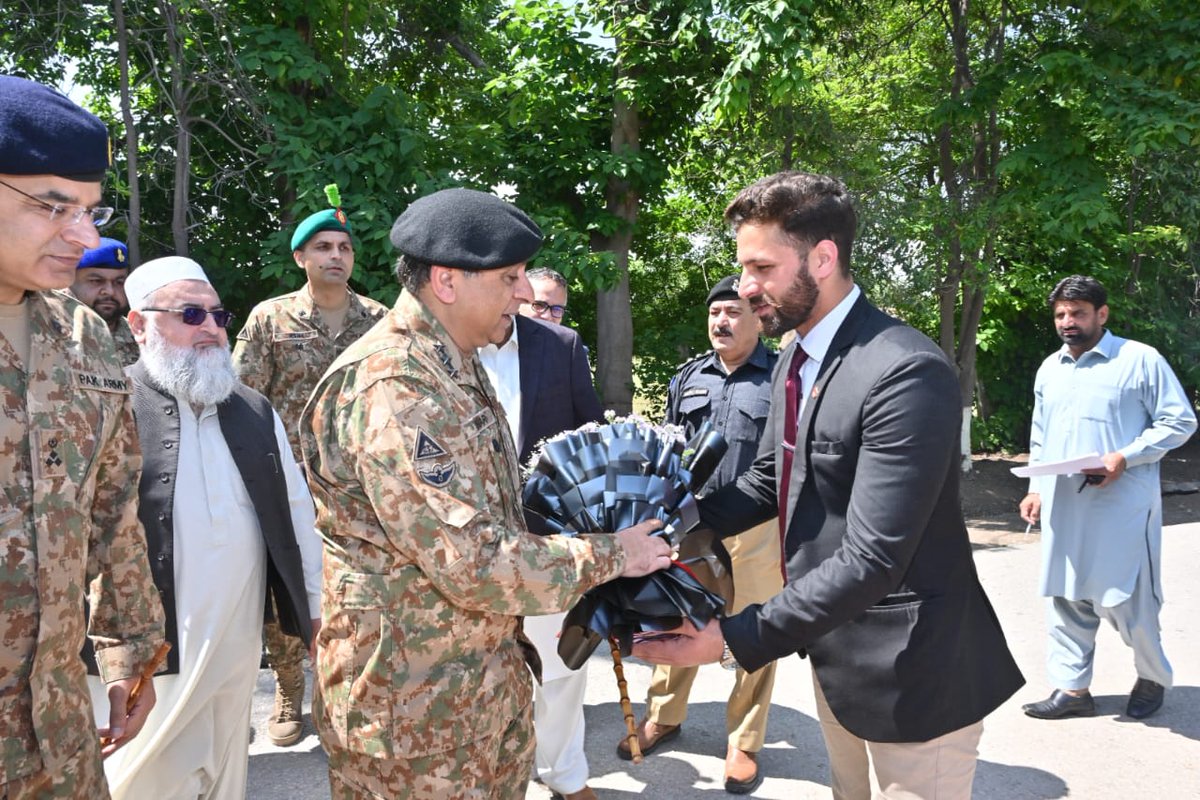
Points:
(585, 793)
(651, 736)
(742, 775)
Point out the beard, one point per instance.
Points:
(197, 377)
(1080, 337)
(110, 313)
(793, 309)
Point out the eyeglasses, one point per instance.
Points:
(556, 311)
(194, 315)
(68, 214)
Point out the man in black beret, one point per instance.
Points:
(69, 455)
(428, 564)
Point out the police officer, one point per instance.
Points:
(100, 285)
(421, 664)
(282, 351)
(731, 386)
(69, 457)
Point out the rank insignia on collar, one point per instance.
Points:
(443, 355)
(437, 474)
(426, 447)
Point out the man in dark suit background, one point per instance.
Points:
(860, 461)
(540, 373)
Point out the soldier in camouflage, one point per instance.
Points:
(283, 350)
(70, 460)
(100, 285)
(422, 689)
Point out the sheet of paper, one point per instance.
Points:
(1071, 466)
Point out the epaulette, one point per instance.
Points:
(684, 364)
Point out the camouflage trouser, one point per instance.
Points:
(284, 653)
(495, 768)
(81, 778)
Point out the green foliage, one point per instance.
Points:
(1092, 108)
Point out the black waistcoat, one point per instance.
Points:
(248, 425)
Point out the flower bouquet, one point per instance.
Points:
(609, 477)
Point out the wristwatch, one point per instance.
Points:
(727, 659)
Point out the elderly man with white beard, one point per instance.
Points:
(240, 524)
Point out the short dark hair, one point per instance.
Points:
(1079, 287)
(808, 207)
(412, 272)
(548, 274)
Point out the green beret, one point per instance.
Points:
(466, 229)
(331, 219)
(43, 132)
(725, 289)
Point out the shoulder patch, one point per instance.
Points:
(438, 473)
(426, 447)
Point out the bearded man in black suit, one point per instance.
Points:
(860, 462)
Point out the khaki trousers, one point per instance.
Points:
(941, 768)
(756, 579)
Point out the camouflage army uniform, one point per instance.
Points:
(284, 349)
(128, 351)
(427, 570)
(281, 352)
(71, 462)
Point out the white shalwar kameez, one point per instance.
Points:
(195, 743)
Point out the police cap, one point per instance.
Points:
(466, 229)
(725, 289)
(42, 132)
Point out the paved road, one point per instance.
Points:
(1104, 757)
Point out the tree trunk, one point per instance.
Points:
(183, 134)
(614, 317)
(133, 229)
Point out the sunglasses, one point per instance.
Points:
(194, 315)
(556, 311)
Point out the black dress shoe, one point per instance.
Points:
(1060, 704)
(1145, 699)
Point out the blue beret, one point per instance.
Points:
(725, 289)
(111, 254)
(466, 229)
(43, 132)
(331, 219)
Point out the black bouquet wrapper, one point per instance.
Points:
(610, 477)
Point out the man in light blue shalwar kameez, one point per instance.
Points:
(1102, 540)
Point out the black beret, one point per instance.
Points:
(43, 132)
(466, 229)
(726, 289)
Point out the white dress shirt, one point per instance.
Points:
(503, 366)
(816, 343)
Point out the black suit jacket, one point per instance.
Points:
(556, 384)
(882, 590)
